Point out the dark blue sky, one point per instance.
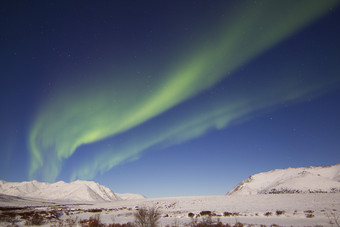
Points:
(167, 98)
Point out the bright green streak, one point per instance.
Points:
(196, 123)
(83, 115)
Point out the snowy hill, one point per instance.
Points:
(129, 196)
(62, 191)
(292, 180)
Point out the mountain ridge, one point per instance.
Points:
(88, 191)
(313, 179)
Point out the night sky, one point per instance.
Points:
(167, 98)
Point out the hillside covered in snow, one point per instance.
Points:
(84, 191)
(292, 180)
(129, 196)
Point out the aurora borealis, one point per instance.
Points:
(116, 82)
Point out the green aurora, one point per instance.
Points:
(94, 111)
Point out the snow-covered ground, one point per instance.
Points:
(297, 209)
(246, 209)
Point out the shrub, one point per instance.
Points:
(92, 222)
(191, 215)
(206, 221)
(193, 222)
(206, 212)
(280, 212)
(35, 219)
(121, 225)
(95, 210)
(9, 217)
(147, 217)
(268, 214)
(227, 214)
(238, 224)
(63, 223)
(71, 222)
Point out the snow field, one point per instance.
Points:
(280, 209)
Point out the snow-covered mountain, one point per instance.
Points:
(292, 180)
(62, 191)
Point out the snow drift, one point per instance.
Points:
(61, 191)
(292, 180)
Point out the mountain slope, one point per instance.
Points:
(292, 180)
(130, 196)
(74, 191)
